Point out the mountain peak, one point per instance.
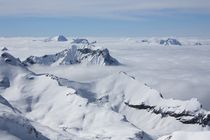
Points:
(9, 59)
(60, 38)
(170, 41)
(75, 55)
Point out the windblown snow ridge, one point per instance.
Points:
(75, 55)
(144, 97)
(187, 112)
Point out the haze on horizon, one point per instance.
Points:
(105, 18)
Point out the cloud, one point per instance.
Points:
(124, 9)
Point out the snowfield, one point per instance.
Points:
(104, 88)
(187, 136)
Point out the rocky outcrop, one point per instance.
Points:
(59, 38)
(80, 41)
(4, 49)
(185, 116)
(9, 59)
(4, 82)
(170, 41)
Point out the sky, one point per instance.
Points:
(124, 18)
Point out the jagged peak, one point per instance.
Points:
(75, 55)
(60, 38)
(10, 59)
(170, 41)
(144, 97)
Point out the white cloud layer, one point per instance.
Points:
(99, 8)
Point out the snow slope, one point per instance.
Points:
(43, 100)
(13, 125)
(91, 103)
(142, 106)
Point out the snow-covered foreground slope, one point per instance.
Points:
(42, 99)
(116, 107)
(14, 121)
(181, 135)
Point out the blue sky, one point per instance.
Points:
(105, 18)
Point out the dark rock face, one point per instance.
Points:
(4, 49)
(61, 38)
(75, 55)
(185, 117)
(8, 58)
(5, 83)
(145, 41)
(170, 41)
(198, 44)
(107, 58)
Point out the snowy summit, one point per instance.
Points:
(59, 38)
(75, 55)
(170, 41)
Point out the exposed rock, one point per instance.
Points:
(5, 83)
(81, 41)
(145, 41)
(8, 58)
(198, 44)
(4, 49)
(170, 41)
(186, 116)
(59, 38)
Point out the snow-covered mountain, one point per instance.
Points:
(80, 41)
(115, 107)
(170, 41)
(87, 54)
(43, 99)
(14, 126)
(59, 38)
(161, 41)
(4, 49)
(80, 102)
